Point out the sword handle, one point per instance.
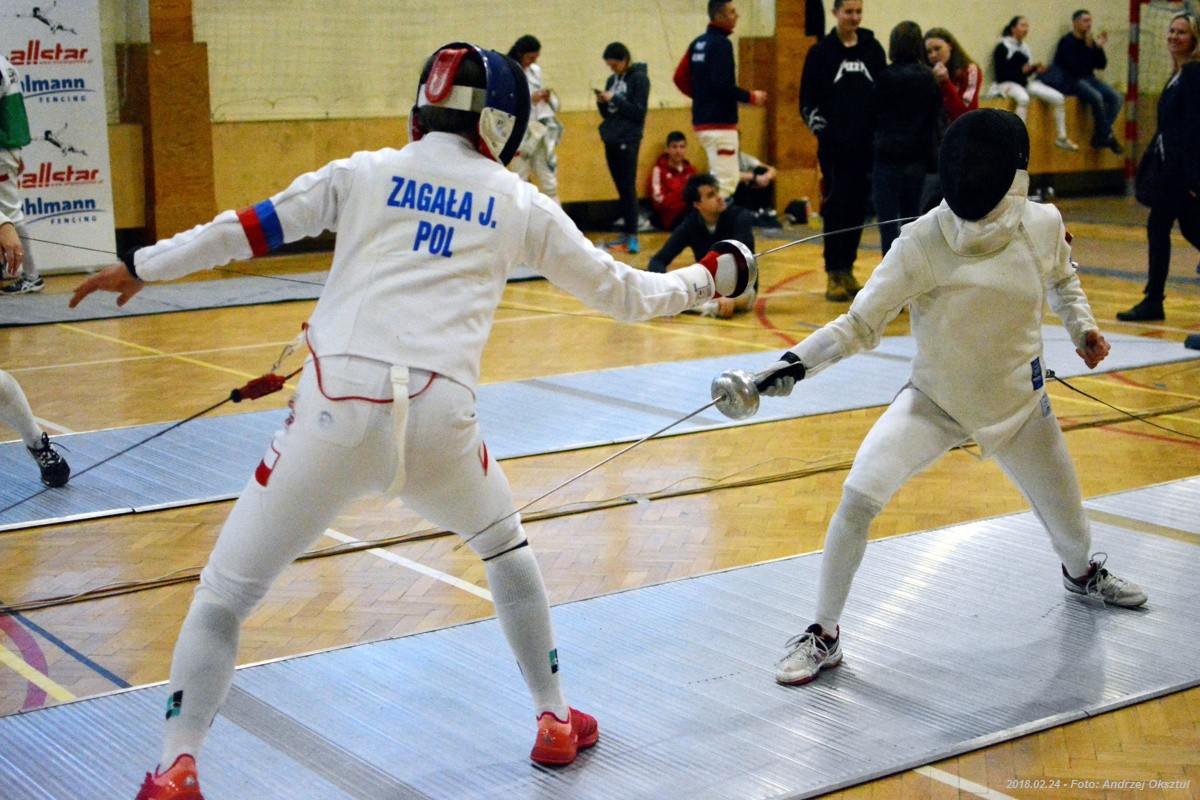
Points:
(794, 369)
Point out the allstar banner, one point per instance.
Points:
(66, 186)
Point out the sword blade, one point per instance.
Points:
(816, 236)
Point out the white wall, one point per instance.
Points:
(312, 59)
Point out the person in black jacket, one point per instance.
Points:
(906, 131)
(710, 220)
(707, 74)
(1078, 55)
(1017, 79)
(1178, 140)
(837, 102)
(623, 105)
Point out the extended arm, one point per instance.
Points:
(902, 276)
(305, 208)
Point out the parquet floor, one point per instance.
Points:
(671, 508)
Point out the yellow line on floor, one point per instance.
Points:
(1141, 526)
(147, 357)
(122, 342)
(18, 665)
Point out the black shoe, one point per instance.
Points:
(55, 471)
(1115, 146)
(1149, 310)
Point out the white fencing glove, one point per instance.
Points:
(732, 266)
(779, 378)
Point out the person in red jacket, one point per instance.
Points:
(667, 179)
(959, 78)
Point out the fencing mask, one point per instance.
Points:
(466, 81)
(980, 156)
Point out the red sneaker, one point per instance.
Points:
(177, 783)
(559, 741)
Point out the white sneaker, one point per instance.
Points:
(1066, 144)
(808, 654)
(24, 286)
(1103, 585)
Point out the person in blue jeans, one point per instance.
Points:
(1078, 55)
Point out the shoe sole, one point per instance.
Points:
(552, 759)
(1084, 595)
(558, 758)
(810, 678)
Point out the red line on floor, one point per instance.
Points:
(760, 308)
(35, 696)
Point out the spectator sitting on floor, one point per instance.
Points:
(756, 190)
(709, 221)
(667, 179)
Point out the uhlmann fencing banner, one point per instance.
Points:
(66, 188)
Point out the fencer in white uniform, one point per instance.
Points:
(974, 273)
(426, 238)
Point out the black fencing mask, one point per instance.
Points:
(980, 155)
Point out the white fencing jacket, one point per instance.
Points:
(426, 239)
(976, 293)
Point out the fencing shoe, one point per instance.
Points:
(178, 783)
(55, 471)
(558, 741)
(24, 286)
(1102, 584)
(807, 654)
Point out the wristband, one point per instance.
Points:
(127, 260)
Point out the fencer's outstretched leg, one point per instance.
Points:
(16, 413)
(1037, 461)
(203, 661)
(523, 610)
(845, 544)
(910, 435)
(449, 463)
(819, 647)
(318, 464)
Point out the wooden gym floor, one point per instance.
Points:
(718, 500)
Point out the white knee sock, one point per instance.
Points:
(201, 674)
(524, 614)
(15, 411)
(1060, 121)
(29, 264)
(845, 544)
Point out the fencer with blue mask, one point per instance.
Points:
(974, 274)
(427, 236)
